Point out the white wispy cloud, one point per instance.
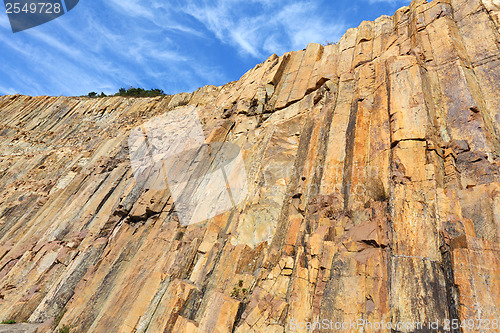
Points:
(274, 27)
(8, 90)
(132, 8)
(4, 22)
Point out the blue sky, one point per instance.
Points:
(174, 45)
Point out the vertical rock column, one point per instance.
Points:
(418, 289)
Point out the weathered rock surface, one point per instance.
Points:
(373, 193)
(19, 328)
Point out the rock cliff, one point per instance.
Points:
(372, 194)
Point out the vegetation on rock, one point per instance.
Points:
(131, 92)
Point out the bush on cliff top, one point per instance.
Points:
(131, 92)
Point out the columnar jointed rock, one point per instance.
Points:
(373, 193)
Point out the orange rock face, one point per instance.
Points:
(371, 194)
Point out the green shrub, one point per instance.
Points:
(65, 329)
(239, 292)
(9, 322)
(131, 92)
(139, 92)
(59, 316)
